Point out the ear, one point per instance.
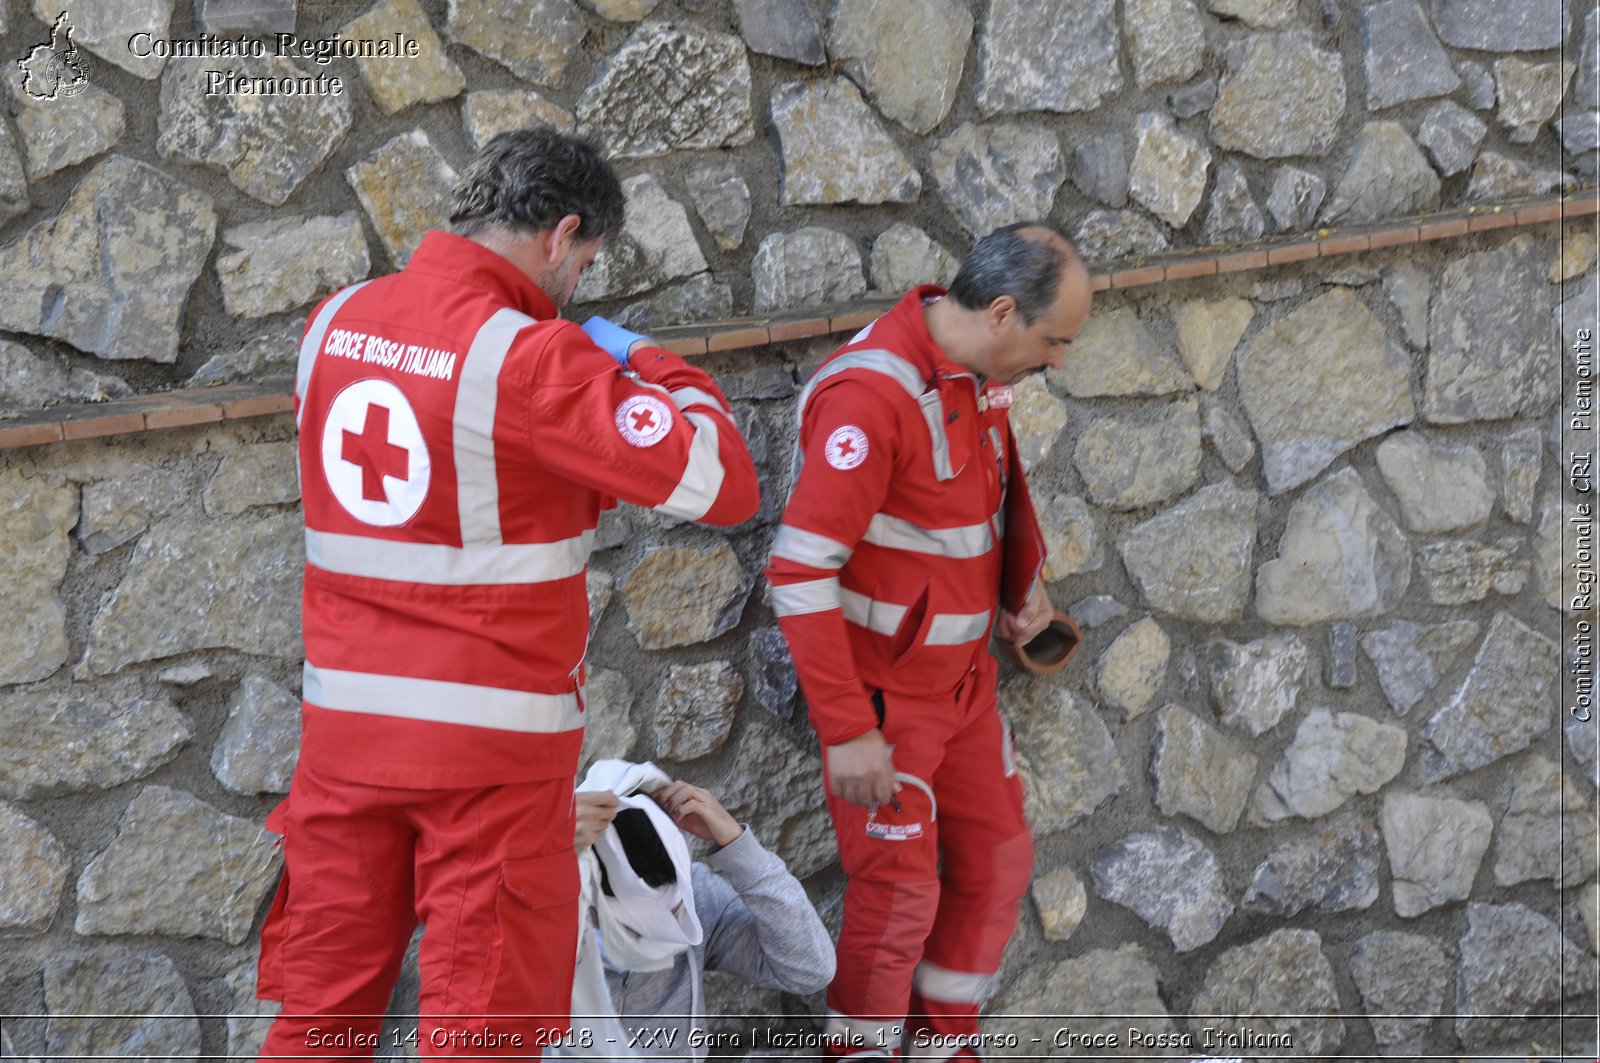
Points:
(999, 312)
(563, 235)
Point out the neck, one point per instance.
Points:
(957, 332)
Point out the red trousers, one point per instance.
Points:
(489, 871)
(921, 943)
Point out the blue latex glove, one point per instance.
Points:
(612, 338)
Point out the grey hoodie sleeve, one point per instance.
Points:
(758, 922)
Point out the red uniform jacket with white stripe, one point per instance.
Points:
(886, 570)
(457, 444)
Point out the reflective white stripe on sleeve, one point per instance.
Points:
(882, 617)
(358, 555)
(879, 361)
(812, 596)
(809, 548)
(702, 478)
(895, 533)
(864, 1038)
(441, 702)
(952, 987)
(312, 343)
(477, 393)
(683, 398)
(953, 629)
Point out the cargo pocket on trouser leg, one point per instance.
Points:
(525, 999)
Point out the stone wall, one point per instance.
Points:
(1315, 520)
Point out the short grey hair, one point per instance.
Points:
(527, 180)
(1007, 262)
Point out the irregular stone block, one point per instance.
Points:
(1254, 114)
(785, 28)
(608, 730)
(405, 189)
(1579, 132)
(1589, 910)
(700, 298)
(1233, 216)
(1462, 571)
(1129, 673)
(1529, 94)
(1341, 673)
(110, 273)
(396, 84)
(67, 130)
(1070, 536)
(534, 39)
(1229, 438)
(1479, 84)
(1116, 355)
(35, 518)
(1169, 879)
(623, 10)
(1110, 235)
(903, 256)
(490, 112)
(1340, 557)
(1208, 332)
(906, 54)
(117, 1002)
(1168, 174)
(153, 879)
(776, 788)
(991, 176)
(1515, 962)
(1103, 985)
(694, 709)
(192, 586)
(249, 1018)
(1062, 901)
(1332, 866)
(1262, 14)
(1278, 987)
(1127, 463)
(1065, 754)
(1493, 26)
(1100, 168)
(722, 199)
(84, 738)
(1037, 58)
(1318, 382)
(1411, 658)
(1496, 177)
(834, 148)
(1588, 84)
(268, 354)
(806, 267)
(33, 871)
(1037, 418)
(1295, 198)
(1451, 133)
(655, 246)
(682, 595)
(776, 682)
(267, 144)
(1331, 759)
(1193, 561)
(105, 29)
(670, 89)
(1198, 771)
(1166, 40)
(263, 17)
(1403, 979)
(258, 747)
(260, 474)
(1404, 60)
(1584, 745)
(278, 265)
(1440, 488)
(1499, 708)
(13, 178)
(1387, 177)
(1548, 829)
(1258, 683)
(1410, 289)
(1192, 99)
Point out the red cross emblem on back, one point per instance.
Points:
(377, 456)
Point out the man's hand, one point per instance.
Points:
(618, 342)
(861, 770)
(697, 812)
(595, 809)
(1020, 628)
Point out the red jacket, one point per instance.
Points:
(457, 444)
(886, 570)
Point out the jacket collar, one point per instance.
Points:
(468, 262)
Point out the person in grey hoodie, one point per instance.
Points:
(754, 917)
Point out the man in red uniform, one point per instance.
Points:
(458, 441)
(886, 574)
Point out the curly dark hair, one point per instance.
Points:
(1010, 262)
(526, 180)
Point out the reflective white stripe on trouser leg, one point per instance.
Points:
(864, 1038)
(953, 987)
